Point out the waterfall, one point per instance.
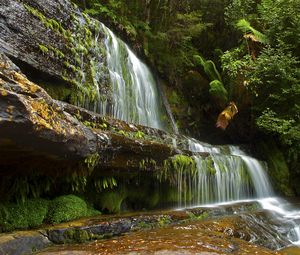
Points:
(257, 171)
(235, 175)
(219, 178)
(134, 94)
(227, 174)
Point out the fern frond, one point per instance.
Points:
(245, 26)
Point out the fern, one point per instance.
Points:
(244, 26)
(209, 67)
(218, 91)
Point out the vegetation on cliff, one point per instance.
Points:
(254, 51)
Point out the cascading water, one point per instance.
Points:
(217, 179)
(134, 94)
(236, 177)
(227, 174)
(257, 171)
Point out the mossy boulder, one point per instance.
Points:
(66, 208)
(28, 214)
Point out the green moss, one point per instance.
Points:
(66, 208)
(43, 49)
(78, 44)
(57, 90)
(77, 235)
(92, 212)
(37, 210)
(164, 221)
(201, 216)
(174, 98)
(139, 134)
(57, 52)
(209, 68)
(23, 215)
(177, 164)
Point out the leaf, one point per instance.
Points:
(226, 116)
(246, 28)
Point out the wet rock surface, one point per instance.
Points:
(20, 33)
(195, 238)
(35, 128)
(22, 243)
(192, 231)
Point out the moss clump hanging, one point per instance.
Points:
(175, 165)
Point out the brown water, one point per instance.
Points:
(203, 238)
(291, 250)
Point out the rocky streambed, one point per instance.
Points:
(242, 228)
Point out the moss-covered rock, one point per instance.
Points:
(28, 214)
(66, 208)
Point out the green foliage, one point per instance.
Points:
(163, 30)
(238, 9)
(175, 165)
(105, 183)
(66, 208)
(91, 161)
(218, 91)
(269, 122)
(112, 11)
(282, 20)
(245, 27)
(235, 63)
(111, 201)
(272, 78)
(21, 188)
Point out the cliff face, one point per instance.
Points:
(33, 127)
(53, 42)
(50, 147)
(25, 28)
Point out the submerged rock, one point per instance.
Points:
(222, 235)
(23, 243)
